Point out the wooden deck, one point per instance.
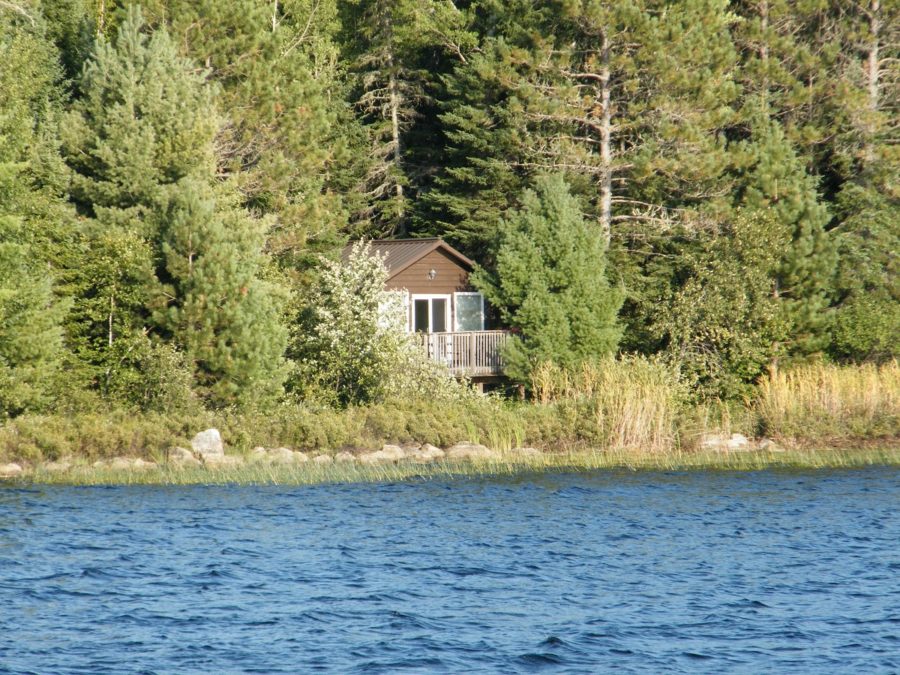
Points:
(474, 354)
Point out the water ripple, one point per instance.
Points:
(671, 572)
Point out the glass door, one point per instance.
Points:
(431, 313)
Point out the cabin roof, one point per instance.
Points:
(399, 254)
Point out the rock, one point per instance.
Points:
(282, 456)
(712, 442)
(471, 451)
(323, 459)
(724, 443)
(182, 457)
(527, 453)
(143, 464)
(208, 443)
(427, 453)
(58, 466)
(10, 470)
(738, 442)
(344, 457)
(388, 453)
(258, 453)
(768, 445)
(222, 461)
(393, 452)
(285, 456)
(120, 463)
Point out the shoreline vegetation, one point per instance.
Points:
(507, 464)
(617, 415)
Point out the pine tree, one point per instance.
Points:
(286, 136)
(141, 145)
(867, 288)
(867, 165)
(388, 92)
(776, 181)
(550, 284)
(223, 315)
(630, 100)
(790, 50)
(31, 315)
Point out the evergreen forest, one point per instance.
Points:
(711, 184)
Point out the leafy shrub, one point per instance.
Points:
(355, 348)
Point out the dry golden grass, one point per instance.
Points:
(631, 403)
(829, 402)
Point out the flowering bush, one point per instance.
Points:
(356, 348)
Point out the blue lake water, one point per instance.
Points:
(633, 572)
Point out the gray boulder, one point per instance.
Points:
(344, 457)
(323, 459)
(222, 461)
(725, 443)
(182, 457)
(208, 443)
(388, 453)
(286, 456)
(712, 441)
(10, 470)
(393, 452)
(738, 442)
(768, 445)
(120, 463)
(466, 450)
(426, 453)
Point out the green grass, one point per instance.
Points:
(509, 465)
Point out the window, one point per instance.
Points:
(469, 311)
(431, 313)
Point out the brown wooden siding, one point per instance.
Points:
(451, 277)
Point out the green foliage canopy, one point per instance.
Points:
(550, 284)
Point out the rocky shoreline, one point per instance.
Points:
(208, 451)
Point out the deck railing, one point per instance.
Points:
(474, 353)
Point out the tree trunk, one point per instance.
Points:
(605, 142)
(112, 309)
(764, 52)
(101, 18)
(872, 73)
(395, 103)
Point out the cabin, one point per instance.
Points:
(450, 318)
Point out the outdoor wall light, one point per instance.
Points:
(432, 273)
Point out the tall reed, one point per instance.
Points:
(829, 402)
(630, 402)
